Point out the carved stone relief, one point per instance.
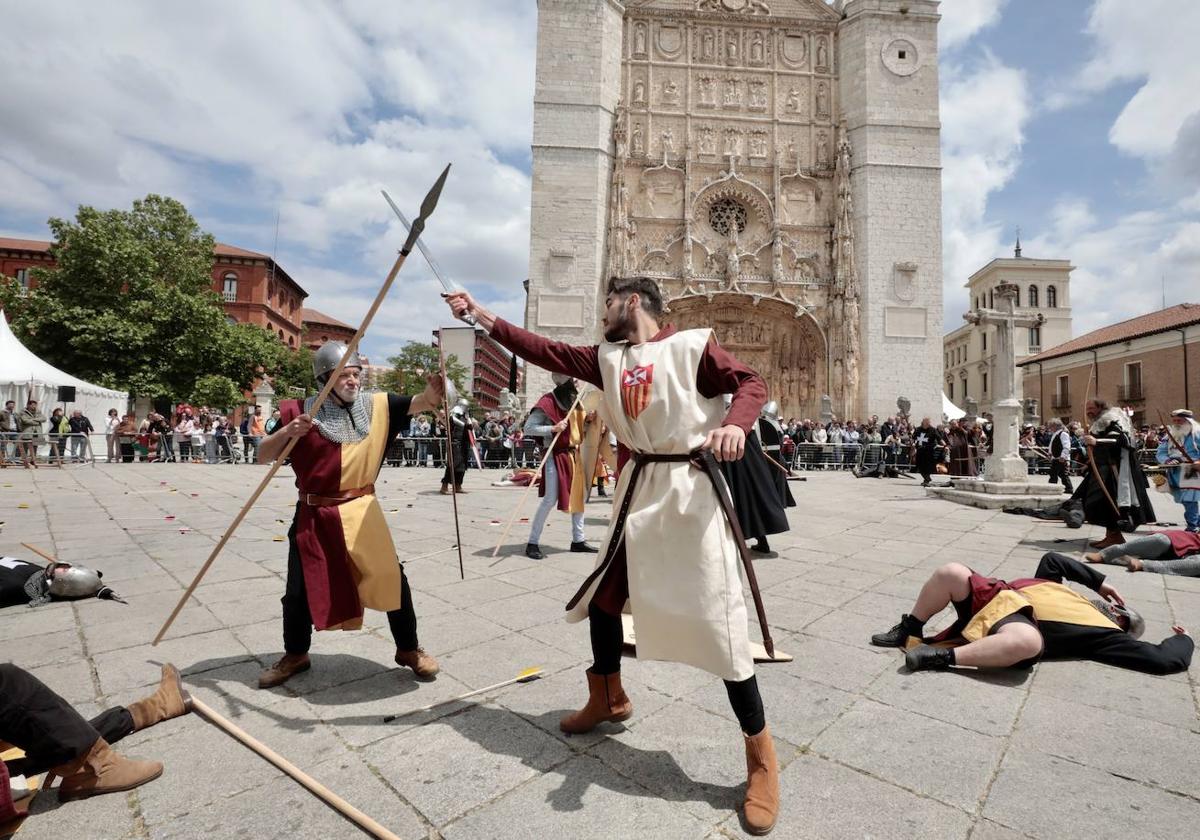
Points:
(822, 54)
(638, 99)
(639, 40)
(732, 97)
(669, 40)
(757, 95)
(670, 93)
(822, 101)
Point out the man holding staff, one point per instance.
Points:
(671, 552)
(340, 552)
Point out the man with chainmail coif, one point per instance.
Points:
(564, 480)
(340, 552)
(1012, 624)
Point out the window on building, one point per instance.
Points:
(1035, 339)
(22, 278)
(992, 299)
(1017, 299)
(1033, 295)
(229, 287)
(951, 386)
(1062, 391)
(985, 383)
(1051, 297)
(1133, 381)
(984, 337)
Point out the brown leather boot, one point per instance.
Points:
(445, 491)
(102, 770)
(761, 807)
(422, 664)
(1110, 538)
(169, 701)
(458, 488)
(283, 670)
(607, 702)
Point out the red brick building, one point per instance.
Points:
(320, 328)
(486, 361)
(253, 288)
(1149, 364)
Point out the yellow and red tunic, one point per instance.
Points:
(346, 550)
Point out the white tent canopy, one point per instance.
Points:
(950, 410)
(23, 376)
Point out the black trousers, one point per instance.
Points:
(297, 618)
(1058, 469)
(46, 726)
(608, 638)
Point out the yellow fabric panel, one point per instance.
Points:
(361, 461)
(579, 477)
(351, 624)
(1055, 602)
(372, 553)
(1003, 605)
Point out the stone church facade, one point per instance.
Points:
(772, 164)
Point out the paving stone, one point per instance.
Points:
(985, 701)
(846, 666)
(797, 709)
(1048, 797)
(70, 680)
(521, 611)
(1119, 691)
(1164, 756)
(915, 752)
(97, 818)
(461, 761)
(823, 800)
(497, 659)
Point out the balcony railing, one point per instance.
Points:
(229, 297)
(1060, 401)
(1130, 393)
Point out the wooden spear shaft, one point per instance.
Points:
(450, 450)
(316, 788)
(426, 208)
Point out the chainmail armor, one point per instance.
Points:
(38, 589)
(341, 425)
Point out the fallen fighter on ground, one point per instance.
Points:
(57, 739)
(1172, 552)
(1012, 624)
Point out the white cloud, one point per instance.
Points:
(308, 108)
(963, 19)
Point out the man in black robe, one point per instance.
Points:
(1114, 490)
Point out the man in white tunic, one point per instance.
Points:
(671, 552)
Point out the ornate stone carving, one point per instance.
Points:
(670, 93)
(706, 45)
(900, 56)
(733, 142)
(758, 48)
(793, 48)
(669, 40)
(668, 142)
(706, 143)
(904, 281)
(639, 93)
(822, 101)
(733, 46)
(637, 141)
(707, 87)
(822, 63)
(758, 143)
(844, 311)
(748, 7)
(758, 95)
(793, 100)
(733, 93)
(822, 148)
(639, 40)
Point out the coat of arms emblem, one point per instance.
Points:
(635, 389)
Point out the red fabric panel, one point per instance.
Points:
(317, 462)
(1183, 543)
(332, 594)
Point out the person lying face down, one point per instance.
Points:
(1172, 552)
(1007, 624)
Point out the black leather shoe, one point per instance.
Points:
(583, 548)
(929, 658)
(533, 552)
(898, 635)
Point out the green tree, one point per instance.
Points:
(216, 391)
(129, 304)
(414, 356)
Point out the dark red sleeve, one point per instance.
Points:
(555, 356)
(720, 373)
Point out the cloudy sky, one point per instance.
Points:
(1078, 120)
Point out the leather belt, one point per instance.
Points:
(314, 500)
(703, 460)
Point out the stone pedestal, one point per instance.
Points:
(1006, 465)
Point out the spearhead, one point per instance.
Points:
(427, 207)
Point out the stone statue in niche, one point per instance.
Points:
(757, 48)
(732, 46)
(707, 91)
(733, 93)
(793, 100)
(670, 93)
(637, 141)
(732, 261)
(706, 140)
(822, 53)
(631, 248)
(758, 144)
(823, 148)
(668, 141)
(639, 39)
(791, 153)
(733, 141)
(639, 92)
(823, 100)
(758, 94)
(708, 49)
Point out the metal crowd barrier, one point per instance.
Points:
(413, 451)
(19, 448)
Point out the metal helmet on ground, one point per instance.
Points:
(327, 357)
(74, 581)
(1130, 618)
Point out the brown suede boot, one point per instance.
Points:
(761, 807)
(283, 670)
(422, 664)
(607, 702)
(169, 701)
(445, 491)
(1110, 538)
(102, 770)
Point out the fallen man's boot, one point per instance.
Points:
(283, 670)
(761, 807)
(929, 658)
(422, 664)
(102, 770)
(169, 701)
(898, 635)
(607, 703)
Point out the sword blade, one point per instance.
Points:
(437, 272)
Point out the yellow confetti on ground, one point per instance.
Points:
(277, 539)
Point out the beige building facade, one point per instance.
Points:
(773, 165)
(969, 352)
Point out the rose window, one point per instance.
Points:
(725, 215)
